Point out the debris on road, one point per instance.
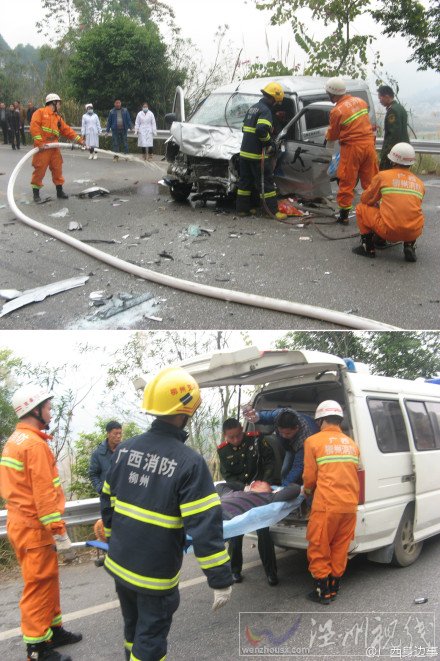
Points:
(421, 600)
(121, 302)
(94, 191)
(166, 255)
(100, 241)
(82, 181)
(10, 293)
(62, 213)
(40, 293)
(74, 225)
(153, 318)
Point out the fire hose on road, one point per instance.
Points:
(254, 300)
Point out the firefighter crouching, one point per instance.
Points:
(391, 207)
(350, 124)
(31, 486)
(157, 490)
(331, 462)
(257, 135)
(46, 126)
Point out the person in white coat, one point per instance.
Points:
(145, 129)
(91, 130)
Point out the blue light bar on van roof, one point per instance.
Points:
(351, 365)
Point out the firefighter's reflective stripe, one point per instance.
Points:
(246, 193)
(40, 639)
(50, 518)
(248, 129)
(264, 121)
(37, 137)
(57, 620)
(196, 506)
(56, 482)
(404, 191)
(214, 560)
(255, 157)
(47, 129)
(112, 501)
(356, 115)
(337, 458)
(8, 462)
(148, 516)
(270, 194)
(139, 580)
(107, 532)
(128, 646)
(106, 489)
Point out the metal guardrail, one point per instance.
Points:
(77, 512)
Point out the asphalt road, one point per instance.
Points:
(375, 608)
(252, 255)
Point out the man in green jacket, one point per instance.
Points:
(395, 126)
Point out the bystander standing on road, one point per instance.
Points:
(13, 119)
(4, 122)
(145, 129)
(101, 457)
(118, 122)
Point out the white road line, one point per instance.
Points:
(101, 608)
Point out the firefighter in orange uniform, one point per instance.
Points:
(46, 126)
(350, 124)
(331, 462)
(391, 207)
(31, 486)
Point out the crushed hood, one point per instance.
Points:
(206, 141)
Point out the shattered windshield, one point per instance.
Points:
(224, 110)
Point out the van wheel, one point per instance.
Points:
(406, 550)
(180, 192)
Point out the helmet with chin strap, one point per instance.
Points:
(28, 398)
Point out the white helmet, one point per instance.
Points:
(25, 399)
(402, 154)
(52, 97)
(336, 86)
(329, 407)
(89, 105)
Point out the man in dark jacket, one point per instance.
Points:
(291, 429)
(243, 459)
(13, 120)
(257, 136)
(395, 125)
(4, 122)
(156, 491)
(118, 122)
(102, 456)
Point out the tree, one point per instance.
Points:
(80, 486)
(421, 25)
(9, 364)
(120, 58)
(405, 355)
(346, 344)
(341, 51)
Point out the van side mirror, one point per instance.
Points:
(170, 117)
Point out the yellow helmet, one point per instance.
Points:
(275, 91)
(172, 391)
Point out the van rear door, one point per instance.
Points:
(251, 366)
(424, 419)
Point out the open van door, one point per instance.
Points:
(424, 417)
(251, 366)
(302, 166)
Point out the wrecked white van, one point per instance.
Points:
(395, 422)
(203, 151)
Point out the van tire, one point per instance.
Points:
(406, 550)
(180, 192)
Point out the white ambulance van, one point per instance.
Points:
(395, 422)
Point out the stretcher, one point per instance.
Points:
(254, 519)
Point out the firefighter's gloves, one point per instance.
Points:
(250, 414)
(221, 597)
(64, 546)
(271, 148)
